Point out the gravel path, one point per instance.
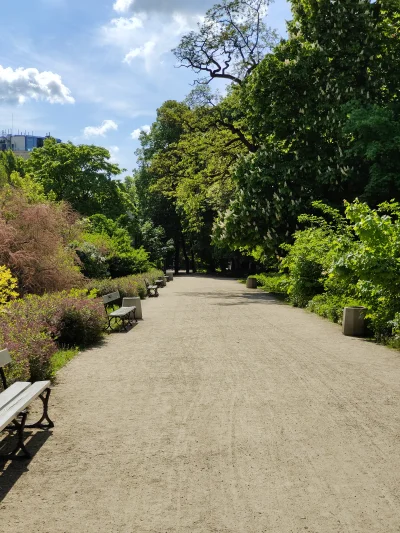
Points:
(223, 411)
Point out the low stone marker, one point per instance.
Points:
(251, 283)
(354, 321)
(170, 274)
(134, 301)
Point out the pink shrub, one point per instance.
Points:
(34, 328)
(34, 243)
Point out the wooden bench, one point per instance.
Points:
(14, 401)
(152, 290)
(127, 315)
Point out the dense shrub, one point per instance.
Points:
(331, 306)
(127, 286)
(276, 283)
(307, 263)
(126, 264)
(29, 337)
(80, 321)
(346, 261)
(34, 327)
(94, 264)
(34, 241)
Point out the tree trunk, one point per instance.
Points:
(187, 262)
(193, 261)
(177, 255)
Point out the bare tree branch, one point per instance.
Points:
(230, 43)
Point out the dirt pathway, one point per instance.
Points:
(224, 411)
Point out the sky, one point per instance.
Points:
(95, 71)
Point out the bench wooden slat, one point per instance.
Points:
(13, 408)
(112, 297)
(123, 311)
(12, 392)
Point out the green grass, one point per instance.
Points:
(61, 358)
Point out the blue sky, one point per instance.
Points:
(95, 71)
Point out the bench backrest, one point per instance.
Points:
(111, 298)
(4, 360)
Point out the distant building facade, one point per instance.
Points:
(21, 145)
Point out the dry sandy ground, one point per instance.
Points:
(223, 411)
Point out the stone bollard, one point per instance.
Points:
(251, 283)
(170, 274)
(166, 279)
(134, 301)
(353, 321)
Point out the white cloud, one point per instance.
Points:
(114, 151)
(20, 85)
(136, 134)
(100, 131)
(147, 37)
(122, 6)
(145, 52)
(165, 6)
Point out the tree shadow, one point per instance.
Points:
(239, 298)
(11, 471)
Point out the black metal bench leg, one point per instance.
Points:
(20, 426)
(39, 424)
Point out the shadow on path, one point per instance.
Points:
(239, 298)
(11, 471)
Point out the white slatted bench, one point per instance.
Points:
(14, 401)
(152, 290)
(125, 314)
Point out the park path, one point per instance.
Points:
(223, 411)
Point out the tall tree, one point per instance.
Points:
(81, 175)
(338, 54)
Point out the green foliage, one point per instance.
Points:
(275, 283)
(81, 175)
(338, 54)
(349, 261)
(373, 135)
(10, 164)
(127, 286)
(61, 358)
(125, 264)
(307, 263)
(94, 264)
(154, 241)
(331, 306)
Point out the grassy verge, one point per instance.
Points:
(61, 358)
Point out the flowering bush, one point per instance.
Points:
(35, 327)
(34, 242)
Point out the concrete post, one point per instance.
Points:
(134, 301)
(353, 321)
(251, 283)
